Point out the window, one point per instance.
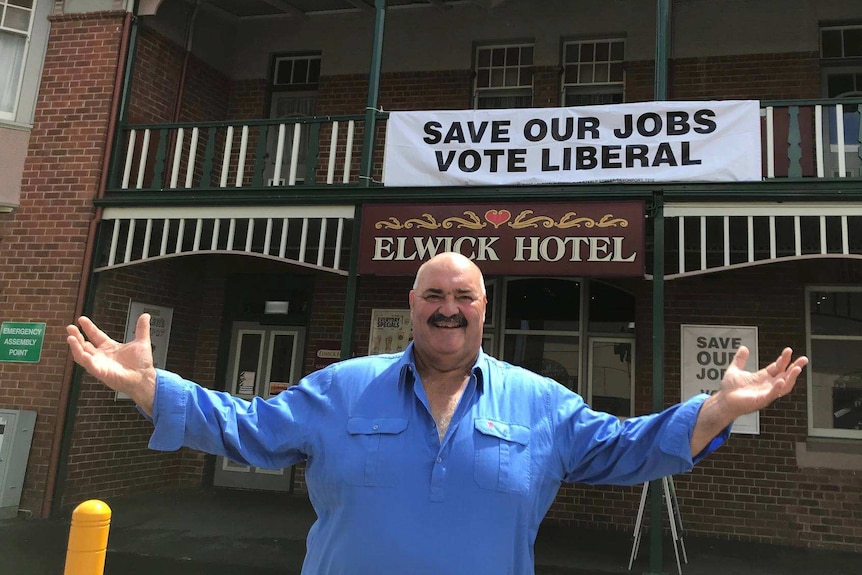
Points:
(16, 21)
(578, 333)
(295, 80)
(504, 77)
(835, 373)
(300, 72)
(841, 58)
(593, 72)
(542, 327)
(841, 42)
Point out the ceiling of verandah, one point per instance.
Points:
(305, 8)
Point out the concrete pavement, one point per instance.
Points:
(229, 532)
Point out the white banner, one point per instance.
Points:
(706, 352)
(710, 141)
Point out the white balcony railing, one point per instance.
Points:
(801, 139)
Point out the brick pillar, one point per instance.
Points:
(43, 242)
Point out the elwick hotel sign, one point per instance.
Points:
(558, 238)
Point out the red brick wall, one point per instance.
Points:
(753, 76)
(758, 77)
(156, 84)
(42, 245)
(109, 455)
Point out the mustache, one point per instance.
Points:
(459, 319)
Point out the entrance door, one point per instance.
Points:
(288, 105)
(264, 361)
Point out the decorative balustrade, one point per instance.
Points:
(812, 138)
(801, 139)
(239, 154)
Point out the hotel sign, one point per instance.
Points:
(562, 239)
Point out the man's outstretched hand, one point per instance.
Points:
(124, 367)
(744, 392)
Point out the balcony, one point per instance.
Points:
(802, 141)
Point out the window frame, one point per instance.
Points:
(842, 28)
(813, 431)
(831, 66)
(593, 88)
(519, 90)
(293, 57)
(11, 116)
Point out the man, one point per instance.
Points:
(437, 460)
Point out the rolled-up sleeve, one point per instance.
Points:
(169, 411)
(597, 448)
(270, 433)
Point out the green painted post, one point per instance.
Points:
(365, 175)
(123, 113)
(655, 491)
(352, 287)
(662, 48)
(662, 53)
(366, 166)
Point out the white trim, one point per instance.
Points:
(763, 209)
(228, 212)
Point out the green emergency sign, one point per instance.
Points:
(21, 342)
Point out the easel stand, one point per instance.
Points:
(673, 515)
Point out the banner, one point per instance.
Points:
(710, 141)
(706, 352)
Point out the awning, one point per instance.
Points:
(308, 236)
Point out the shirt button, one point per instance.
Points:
(376, 427)
(439, 460)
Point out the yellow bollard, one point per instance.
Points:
(88, 539)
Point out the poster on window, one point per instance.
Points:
(391, 331)
(706, 352)
(160, 331)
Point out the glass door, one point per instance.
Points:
(612, 377)
(264, 361)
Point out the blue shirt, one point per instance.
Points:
(392, 498)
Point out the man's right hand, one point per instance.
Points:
(124, 367)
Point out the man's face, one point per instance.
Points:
(447, 307)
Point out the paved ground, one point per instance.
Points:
(221, 532)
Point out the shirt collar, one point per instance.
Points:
(408, 368)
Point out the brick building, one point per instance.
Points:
(209, 161)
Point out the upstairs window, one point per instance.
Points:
(841, 59)
(841, 42)
(593, 72)
(504, 76)
(296, 72)
(16, 22)
(295, 80)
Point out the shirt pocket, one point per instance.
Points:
(374, 454)
(502, 456)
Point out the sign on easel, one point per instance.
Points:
(161, 319)
(706, 352)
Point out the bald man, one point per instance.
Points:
(438, 459)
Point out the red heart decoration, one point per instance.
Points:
(498, 217)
